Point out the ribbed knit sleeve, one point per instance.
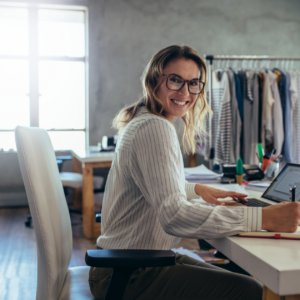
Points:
(190, 191)
(156, 168)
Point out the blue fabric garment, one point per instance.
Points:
(285, 97)
(239, 95)
(288, 121)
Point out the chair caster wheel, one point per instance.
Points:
(28, 222)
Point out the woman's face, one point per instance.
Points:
(177, 103)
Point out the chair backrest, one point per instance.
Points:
(48, 209)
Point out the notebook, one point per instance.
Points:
(273, 235)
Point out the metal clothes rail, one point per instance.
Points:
(211, 59)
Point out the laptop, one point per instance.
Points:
(279, 188)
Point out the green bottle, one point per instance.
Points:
(260, 151)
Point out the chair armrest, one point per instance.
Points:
(104, 258)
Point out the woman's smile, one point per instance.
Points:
(180, 103)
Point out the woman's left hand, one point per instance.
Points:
(211, 195)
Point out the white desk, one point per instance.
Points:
(276, 263)
(85, 160)
(91, 155)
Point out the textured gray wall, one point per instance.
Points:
(125, 34)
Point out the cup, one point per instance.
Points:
(239, 178)
(272, 170)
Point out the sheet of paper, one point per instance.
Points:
(187, 252)
(203, 181)
(259, 184)
(201, 171)
(229, 187)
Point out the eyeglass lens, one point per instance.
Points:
(175, 83)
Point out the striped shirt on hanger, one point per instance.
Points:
(222, 118)
(147, 202)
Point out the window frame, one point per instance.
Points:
(33, 59)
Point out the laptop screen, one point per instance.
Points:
(279, 189)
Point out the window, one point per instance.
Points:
(43, 67)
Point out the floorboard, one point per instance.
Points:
(18, 254)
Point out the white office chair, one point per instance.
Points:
(71, 179)
(50, 218)
(75, 181)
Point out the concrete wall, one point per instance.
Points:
(125, 34)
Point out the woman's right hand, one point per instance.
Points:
(282, 217)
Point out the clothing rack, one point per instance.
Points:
(211, 59)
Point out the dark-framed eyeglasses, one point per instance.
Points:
(176, 83)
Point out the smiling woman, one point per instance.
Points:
(148, 204)
(173, 86)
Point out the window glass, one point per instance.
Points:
(62, 100)
(67, 140)
(14, 99)
(61, 33)
(7, 141)
(13, 31)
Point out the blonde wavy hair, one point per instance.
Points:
(193, 120)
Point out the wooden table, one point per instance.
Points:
(85, 160)
(276, 263)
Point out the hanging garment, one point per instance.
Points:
(243, 85)
(238, 93)
(260, 104)
(239, 97)
(221, 121)
(283, 86)
(274, 126)
(246, 125)
(253, 92)
(268, 102)
(288, 121)
(236, 120)
(297, 116)
(294, 92)
(250, 91)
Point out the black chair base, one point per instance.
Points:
(28, 221)
(118, 282)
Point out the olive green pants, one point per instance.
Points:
(189, 279)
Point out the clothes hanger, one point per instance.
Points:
(235, 63)
(218, 64)
(268, 65)
(255, 63)
(227, 62)
(251, 64)
(223, 62)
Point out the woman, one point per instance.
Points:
(147, 203)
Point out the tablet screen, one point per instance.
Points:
(279, 189)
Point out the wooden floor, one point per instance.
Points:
(18, 257)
